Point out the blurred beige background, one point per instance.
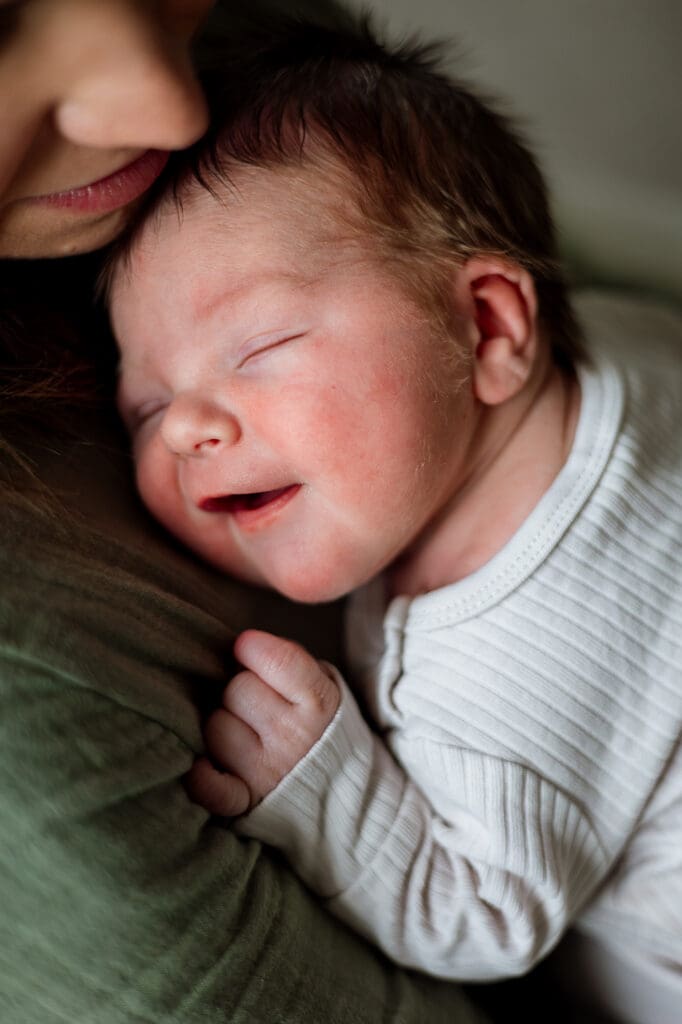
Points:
(598, 86)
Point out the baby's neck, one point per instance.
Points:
(526, 445)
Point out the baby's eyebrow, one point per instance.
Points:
(205, 303)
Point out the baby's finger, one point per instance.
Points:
(254, 702)
(221, 794)
(285, 666)
(232, 743)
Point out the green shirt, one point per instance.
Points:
(122, 902)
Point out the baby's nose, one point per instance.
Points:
(194, 426)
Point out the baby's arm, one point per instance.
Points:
(273, 713)
(480, 888)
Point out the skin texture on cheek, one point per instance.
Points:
(356, 426)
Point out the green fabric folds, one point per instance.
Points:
(121, 902)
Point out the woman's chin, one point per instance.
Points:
(32, 232)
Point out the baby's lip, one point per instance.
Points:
(250, 505)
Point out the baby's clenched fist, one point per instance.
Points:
(273, 712)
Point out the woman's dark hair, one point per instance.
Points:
(53, 351)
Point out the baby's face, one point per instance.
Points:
(291, 418)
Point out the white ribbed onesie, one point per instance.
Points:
(532, 712)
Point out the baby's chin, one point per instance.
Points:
(318, 580)
(303, 585)
(303, 592)
(308, 588)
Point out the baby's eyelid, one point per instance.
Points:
(139, 415)
(263, 343)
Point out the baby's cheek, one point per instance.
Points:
(208, 538)
(375, 425)
(338, 427)
(158, 487)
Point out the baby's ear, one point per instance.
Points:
(499, 302)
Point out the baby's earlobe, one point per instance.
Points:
(501, 369)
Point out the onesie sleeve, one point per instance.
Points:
(480, 890)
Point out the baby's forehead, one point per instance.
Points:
(318, 200)
(253, 219)
(257, 226)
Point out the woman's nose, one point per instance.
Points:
(133, 86)
(195, 427)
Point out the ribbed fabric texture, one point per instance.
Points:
(533, 710)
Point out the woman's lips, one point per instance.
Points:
(110, 193)
(248, 509)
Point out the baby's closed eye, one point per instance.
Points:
(265, 344)
(137, 409)
(141, 415)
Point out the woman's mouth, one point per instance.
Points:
(254, 507)
(114, 191)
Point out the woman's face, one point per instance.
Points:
(92, 95)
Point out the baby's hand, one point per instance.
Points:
(273, 712)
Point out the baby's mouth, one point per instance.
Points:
(255, 501)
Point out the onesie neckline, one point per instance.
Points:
(601, 409)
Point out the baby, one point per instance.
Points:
(349, 366)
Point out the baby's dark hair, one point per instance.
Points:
(436, 172)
